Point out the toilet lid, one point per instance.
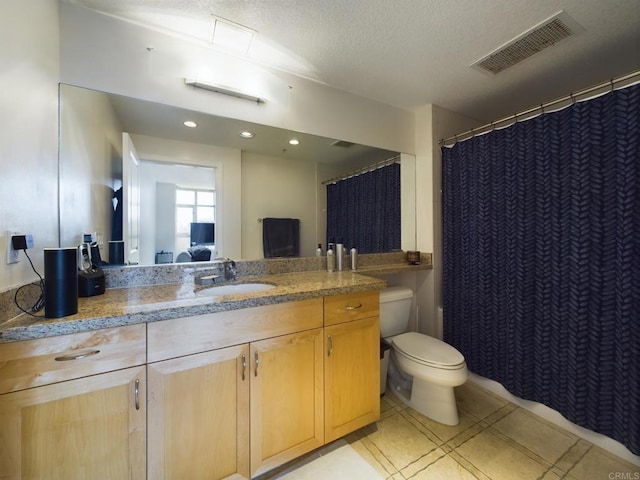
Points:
(427, 349)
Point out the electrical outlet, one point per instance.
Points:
(12, 255)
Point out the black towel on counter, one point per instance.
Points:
(281, 237)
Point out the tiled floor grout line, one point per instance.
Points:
(427, 466)
(381, 454)
(577, 461)
(523, 449)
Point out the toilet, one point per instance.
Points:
(435, 367)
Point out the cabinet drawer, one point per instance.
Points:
(188, 335)
(351, 306)
(43, 361)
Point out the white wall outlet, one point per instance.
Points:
(12, 255)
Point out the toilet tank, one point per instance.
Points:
(395, 310)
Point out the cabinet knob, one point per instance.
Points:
(330, 341)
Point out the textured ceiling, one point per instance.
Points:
(408, 53)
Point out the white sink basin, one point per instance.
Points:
(237, 289)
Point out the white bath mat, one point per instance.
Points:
(341, 463)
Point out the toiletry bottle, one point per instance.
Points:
(319, 250)
(339, 256)
(353, 254)
(331, 260)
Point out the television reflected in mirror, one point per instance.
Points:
(202, 233)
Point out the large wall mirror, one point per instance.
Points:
(110, 145)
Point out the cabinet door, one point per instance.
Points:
(92, 427)
(286, 398)
(352, 376)
(199, 416)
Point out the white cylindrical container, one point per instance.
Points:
(353, 255)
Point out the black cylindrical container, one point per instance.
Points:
(116, 252)
(60, 282)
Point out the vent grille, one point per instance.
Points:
(342, 144)
(535, 40)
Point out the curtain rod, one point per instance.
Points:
(540, 108)
(362, 170)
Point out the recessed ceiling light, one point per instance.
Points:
(190, 124)
(247, 134)
(294, 141)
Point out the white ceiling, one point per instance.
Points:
(408, 53)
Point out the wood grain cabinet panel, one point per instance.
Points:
(92, 427)
(352, 376)
(31, 363)
(287, 414)
(351, 306)
(199, 416)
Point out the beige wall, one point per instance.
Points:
(28, 138)
(92, 168)
(264, 179)
(432, 124)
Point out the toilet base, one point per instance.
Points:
(436, 402)
(433, 400)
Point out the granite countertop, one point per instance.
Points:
(141, 304)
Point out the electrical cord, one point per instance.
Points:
(39, 303)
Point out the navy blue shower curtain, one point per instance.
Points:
(364, 211)
(541, 226)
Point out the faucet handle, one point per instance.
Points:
(206, 279)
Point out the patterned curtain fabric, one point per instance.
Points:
(542, 260)
(364, 211)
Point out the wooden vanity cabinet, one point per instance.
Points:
(352, 362)
(74, 406)
(237, 393)
(287, 417)
(199, 415)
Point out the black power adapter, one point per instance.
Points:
(22, 242)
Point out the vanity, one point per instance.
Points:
(160, 382)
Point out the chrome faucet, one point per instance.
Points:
(226, 270)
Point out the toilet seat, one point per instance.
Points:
(428, 351)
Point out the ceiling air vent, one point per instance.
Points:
(534, 40)
(342, 144)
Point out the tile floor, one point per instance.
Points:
(495, 440)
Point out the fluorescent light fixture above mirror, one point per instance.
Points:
(212, 87)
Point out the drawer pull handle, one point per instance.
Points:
(352, 307)
(244, 366)
(66, 358)
(257, 363)
(330, 339)
(136, 393)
